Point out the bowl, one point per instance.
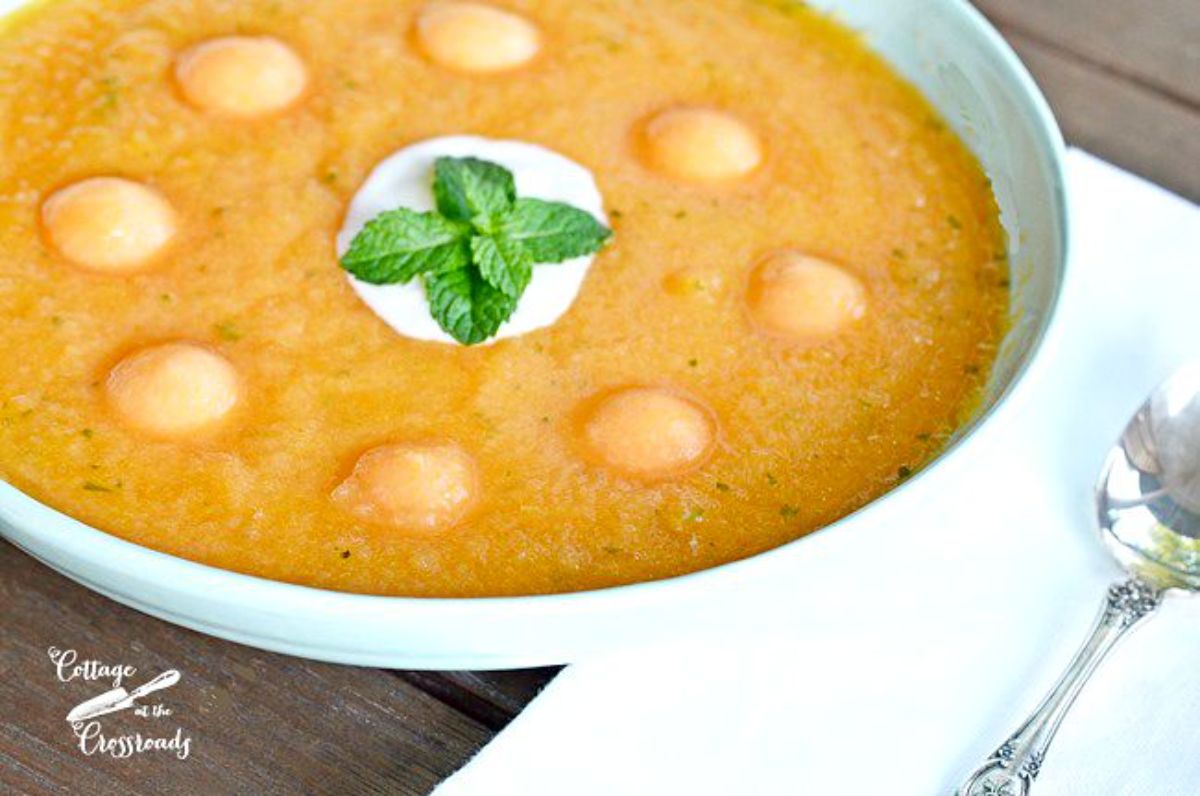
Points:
(965, 68)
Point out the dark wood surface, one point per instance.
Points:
(1124, 77)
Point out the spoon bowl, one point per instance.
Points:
(1148, 498)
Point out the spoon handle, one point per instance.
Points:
(1011, 769)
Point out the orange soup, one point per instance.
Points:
(804, 290)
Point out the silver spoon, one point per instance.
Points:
(1148, 503)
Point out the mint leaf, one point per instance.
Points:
(476, 252)
(397, 245)
(466, 306)
(553, 231)
(503, 263)
(468, 187)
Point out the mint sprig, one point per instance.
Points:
(477, 251)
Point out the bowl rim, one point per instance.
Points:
(66, 534)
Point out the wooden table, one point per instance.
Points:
(1124, 77)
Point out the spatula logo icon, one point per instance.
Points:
(119, 699)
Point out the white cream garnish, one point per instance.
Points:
(405, 179)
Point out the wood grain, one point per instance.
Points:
(491, 698)
(1152, 44)
(261, 723)
(1145, 131)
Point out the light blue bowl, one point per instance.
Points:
(943, 46)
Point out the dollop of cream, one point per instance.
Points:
(405, 179)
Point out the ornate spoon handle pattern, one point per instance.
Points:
(1011, 769)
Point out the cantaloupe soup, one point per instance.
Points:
(803, 291)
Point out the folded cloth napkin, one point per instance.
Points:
(940, 635)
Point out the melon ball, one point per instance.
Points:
(414, 487)
(701, 145)
(474, 37)
(798, 297)
(649, 432)
(173, 390)
(108, 224)
(241, 76)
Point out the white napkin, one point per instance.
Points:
(927, 652)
